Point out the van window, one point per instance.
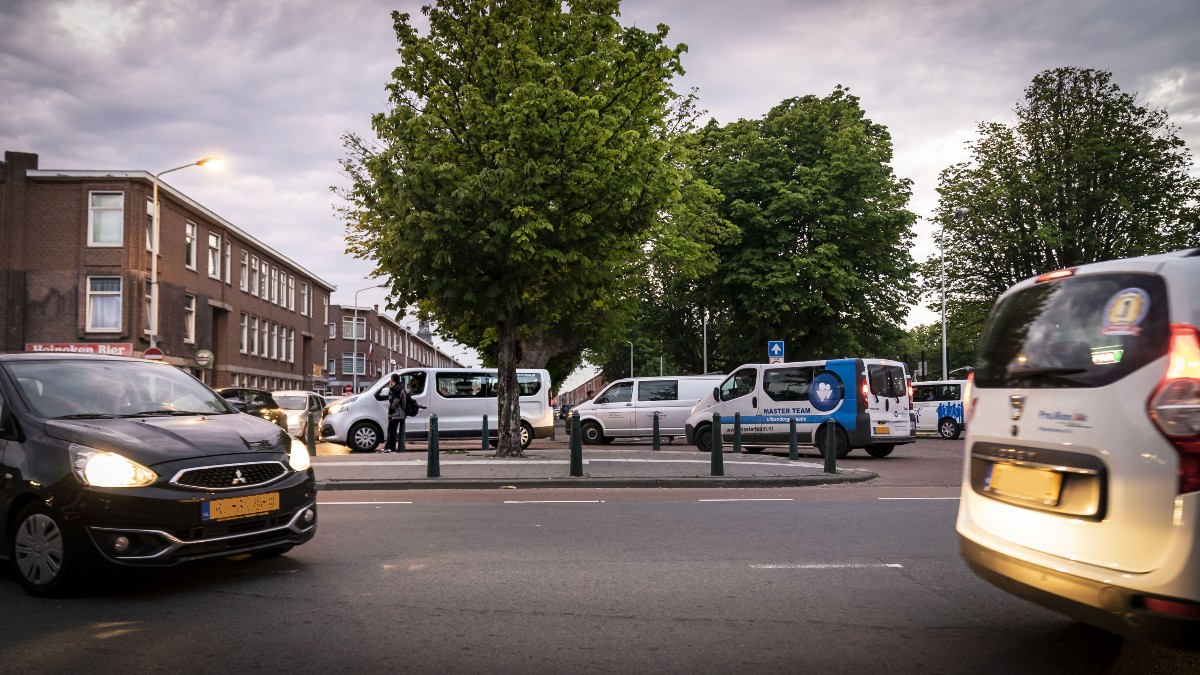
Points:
(739, 384)
(949, 392)
(528, 383)
(924, 393)
(621, 392)
(1085, 331)
(788, 384)
(659, 390)
(887, 381)
(414, 383)
(466, 385)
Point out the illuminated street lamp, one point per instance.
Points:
(210, 162)
(354, 359)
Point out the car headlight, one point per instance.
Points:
(335, 409)
(298, 458)
(108, 469)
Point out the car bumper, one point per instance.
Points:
(1106, 606)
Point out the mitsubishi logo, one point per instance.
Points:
(1017, 402)
(238, 478)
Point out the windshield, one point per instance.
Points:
(1083, 331)
(288, 402)
(112, 388)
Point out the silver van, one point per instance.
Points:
(626, 408)
(460, 397)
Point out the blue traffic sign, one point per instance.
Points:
(775, 351)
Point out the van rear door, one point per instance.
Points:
(887, 402)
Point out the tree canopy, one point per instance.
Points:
(524, 164)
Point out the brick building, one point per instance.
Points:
(75, 261)
(382, 345)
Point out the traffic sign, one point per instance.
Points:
(153, 353)
(775, 351)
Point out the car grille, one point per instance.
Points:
(230, 476)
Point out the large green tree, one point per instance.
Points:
(522, 167)
(821, 257)
(1086, 173)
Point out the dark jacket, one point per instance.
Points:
(396, 401)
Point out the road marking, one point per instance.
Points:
(358, 503)
(828, 566)
(916, 499)
(559, 501)
(754, 499)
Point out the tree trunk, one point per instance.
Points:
(508, 394)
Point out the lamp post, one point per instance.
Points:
(211, 162)
(706, 342)
(959, 212)
(631, 359)
(354, 358)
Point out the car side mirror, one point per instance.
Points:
(716, 393)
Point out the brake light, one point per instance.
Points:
(1175, 405)
(909, 391)
(864, 393)
(1056, 274)
(967, 391)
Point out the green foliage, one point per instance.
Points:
(521, 170)
(1085, 174)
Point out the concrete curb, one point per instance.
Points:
(586, 482)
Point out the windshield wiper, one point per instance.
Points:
(86, 416)
(1040, 373)
(162, 411)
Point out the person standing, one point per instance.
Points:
(397, 400)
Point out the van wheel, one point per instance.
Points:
(704, 438)
(45, 557)
(363, 437)
(949, 429)
(878, 451)
(843, 443)
(592, 433)
(526, 435)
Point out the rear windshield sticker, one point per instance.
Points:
(1125, 311)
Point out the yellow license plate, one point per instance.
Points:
(240, 507)
(881, 429)
(1035, 485)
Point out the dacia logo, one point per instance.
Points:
(1017, 402)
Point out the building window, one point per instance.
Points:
(189, 319)
(244, 341)
(228, 261)
(148, 303)
(254, 275)
(106, 219)
(331, 367)
(333, 331)
(149, 225)
(244, 281)
(291, 296)
(104, 304)
(265, 334)
(325, 309)
(354, 328)
(265, 279)
(189, 241)
(254, 335)
(291, 345)
(352, 365)
(214, 255)
(274, 340)
(305, 308)
(274, 285)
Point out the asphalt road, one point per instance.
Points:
(839, 579)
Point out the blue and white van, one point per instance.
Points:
(940, 406)
(867, 400)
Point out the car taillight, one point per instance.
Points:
(864, 393)
(967, 391)
(1175, 405)
(908, 389)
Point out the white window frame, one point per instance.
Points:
(228, 261)
(265, 281)
(189, 319)
(359, 327)
(254, 275)
(93, 209)
(244, 337)
(214, 256)
(291, 345)
(189, 244)
(274, 284)
(92, 296)
(305, 305)
(358, 364)
(291, 294)
(150, 225)
(254, 336)
(244, 282)
(274, 338)
(265, 332)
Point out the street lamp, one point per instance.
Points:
(210, 162)
(959, 212)
(354, 359)
(631, 359)
(706, 342)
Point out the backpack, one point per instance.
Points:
(410, 406)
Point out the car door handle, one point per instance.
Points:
(754, 402)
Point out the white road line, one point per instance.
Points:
(916, 499)
(828, 566)
(357, 503)
(755, 499)
(559, 501)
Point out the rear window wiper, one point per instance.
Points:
(1039, 373)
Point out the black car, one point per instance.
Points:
(129, 462)
(258, 402)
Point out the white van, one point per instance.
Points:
(1081, 474)
(940, 406)
(460, 397)
(868, 401)
(626, 408)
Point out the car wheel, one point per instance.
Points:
(704, 438)
(842, 442)
(272, 552)
(880, 450)
(592, 433)
(526, 435)
(46, 559)
(949, 429)
(363, 437)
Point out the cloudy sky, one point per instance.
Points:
(272, 85)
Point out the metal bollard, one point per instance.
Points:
(483, 445)
(310, 434)
(737, 433)
(654, 445)
(434, 469)
(576, 447)
(793, 449)
(718, 462)
(831, 444)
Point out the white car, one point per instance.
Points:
(298, 405)
(1081, 484)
